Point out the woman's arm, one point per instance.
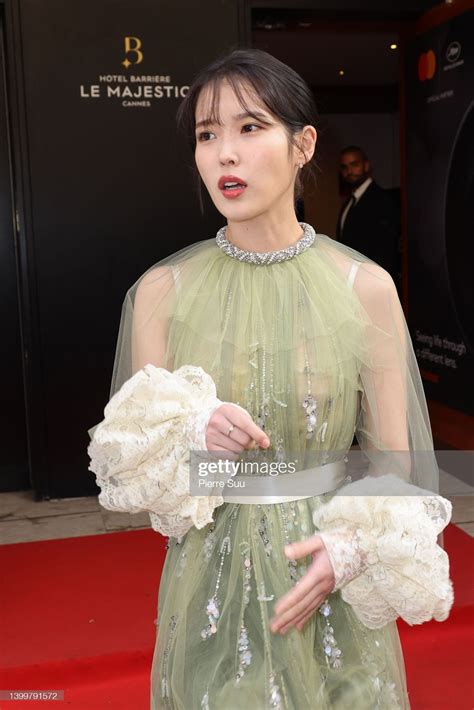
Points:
(380, 533)
(150, 318)
(140, 451)
(382, 426)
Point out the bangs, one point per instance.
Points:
(240, 85)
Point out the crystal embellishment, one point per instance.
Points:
(263, 531)
(164, 680)
(205, 701)
(263, 596)
(212, 610)
(208, 544)
(243, 645)
(310, 405)
(268, 257)
(275, 696)
(245, 654)
(181, 564)
(332, 652)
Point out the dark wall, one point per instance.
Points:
(440, 193)
(389, 8)
(108, 190)
(14, 459)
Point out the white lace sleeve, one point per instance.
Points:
(140, 451)
(381, 537)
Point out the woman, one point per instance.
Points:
(273, 342)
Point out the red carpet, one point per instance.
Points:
(78, 615)
(439, 657)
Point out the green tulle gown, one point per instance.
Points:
(269, 334)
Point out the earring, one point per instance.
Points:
(300, 166)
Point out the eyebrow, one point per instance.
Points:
(238, 117)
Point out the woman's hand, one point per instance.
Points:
(295, 607)
(232, 429)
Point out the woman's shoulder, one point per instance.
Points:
(161, 276)
(368, 277)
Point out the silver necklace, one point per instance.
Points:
(267, 257)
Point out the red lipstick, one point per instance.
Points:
(231, 186)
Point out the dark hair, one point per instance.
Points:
(284, 93)
(355, 149)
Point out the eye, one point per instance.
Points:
(250, 125)
(202, 136)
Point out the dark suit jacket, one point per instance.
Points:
(372, 227)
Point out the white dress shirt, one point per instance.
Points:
(356, 195)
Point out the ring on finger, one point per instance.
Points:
(231, 428)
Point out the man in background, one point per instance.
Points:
(369, 220)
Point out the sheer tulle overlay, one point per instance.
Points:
(245, 545)
(315, 348)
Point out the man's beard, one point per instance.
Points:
(352, 185)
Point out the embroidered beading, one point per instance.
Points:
(164, 679)
(243, 644)
(331, 651)
(212, 609)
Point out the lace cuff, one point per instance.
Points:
(140, 451)
(347, 553)
(384, 550)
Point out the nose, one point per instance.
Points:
(227, 152)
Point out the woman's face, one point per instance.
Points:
(254, 152)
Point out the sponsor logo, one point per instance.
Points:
(453, 56)
(453, 52)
